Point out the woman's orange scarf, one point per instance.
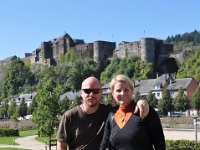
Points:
(123, 114)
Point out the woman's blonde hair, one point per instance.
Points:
(121, 78)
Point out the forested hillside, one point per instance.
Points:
(181, 40)
(189, 44)
(190, 67)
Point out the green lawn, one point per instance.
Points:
(11, 140)
(28, 133)
(7, 140)
(44, 139)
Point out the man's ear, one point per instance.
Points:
(101, 91)
(112, 94)
(81, 92)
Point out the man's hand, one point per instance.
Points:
(142, 106)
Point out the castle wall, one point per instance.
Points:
(58, 48)
(147, 49)
(78, 41)
(46, 49)
(61, 45)
(103, 50)
(179, 56)
(128, 49)
(36, 56)
(85, 50)
(164, 52)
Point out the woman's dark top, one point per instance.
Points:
(137, 134)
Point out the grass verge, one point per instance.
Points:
(7, 140)
(28, 133)
(11, 140)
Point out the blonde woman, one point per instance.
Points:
(125, 130)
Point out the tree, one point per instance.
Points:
(75, 102)
(181, 103)
(137, 96)
(46, 115)
(22, 108)
(71, 56)
(109, 71)
(11, 109)
(165, 104)
(132, 67)
(3, 90)
(64, 105)
(152, 100)
(4, 109)
(196, 99)
(75, 77)
(190, 67)
(33, 105)
(109, 100)
(16, 77)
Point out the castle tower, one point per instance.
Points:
(61, 45)
(46, 49)
(147, 49)
(103, 50)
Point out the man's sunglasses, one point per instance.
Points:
(88, 91)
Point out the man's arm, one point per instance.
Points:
(143, 107)
(61, 145)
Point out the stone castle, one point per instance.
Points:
(148, 49)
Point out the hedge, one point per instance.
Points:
(9, 132)
(182, 145)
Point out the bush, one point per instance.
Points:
(9, 132)
(180, 122)
(181, 144)
(21, 125)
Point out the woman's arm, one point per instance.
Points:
(155, 130)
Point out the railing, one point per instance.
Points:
(50, 143)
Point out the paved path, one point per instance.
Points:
(31, 144)
(181, 134)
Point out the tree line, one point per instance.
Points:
(192, 37)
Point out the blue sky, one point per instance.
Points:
(26, 23)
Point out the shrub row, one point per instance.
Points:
(9, 132)
(21, 125)
(182, 144)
